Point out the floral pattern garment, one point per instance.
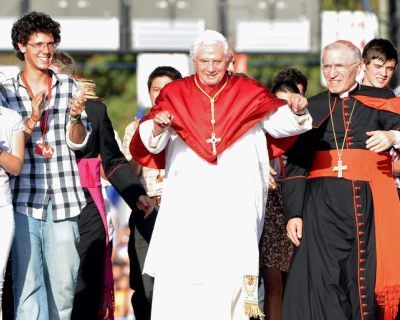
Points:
(275, 247)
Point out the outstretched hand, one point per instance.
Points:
(297, 103)
(162, 121)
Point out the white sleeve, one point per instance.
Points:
(79, 146)
(155, 144)
(397, 134)
(283, 122)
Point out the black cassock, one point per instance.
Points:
(332, 275)
(91, 247)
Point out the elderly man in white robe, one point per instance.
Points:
(209, 130)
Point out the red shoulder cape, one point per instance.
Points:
(391, 104)
(240, 106)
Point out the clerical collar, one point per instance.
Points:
(351, 92)
(211, 90)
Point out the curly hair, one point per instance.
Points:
(29, 24)
(292, 74)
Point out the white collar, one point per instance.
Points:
(346, 94)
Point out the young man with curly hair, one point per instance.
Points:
(47, 196)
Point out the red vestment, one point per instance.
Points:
(240, 105)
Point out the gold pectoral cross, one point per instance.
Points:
(213, 140)
(339, 168)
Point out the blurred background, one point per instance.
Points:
(118, 42)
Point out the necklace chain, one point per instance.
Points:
(213, 139)
(212, 99)
(340, 152)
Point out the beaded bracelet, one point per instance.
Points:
(74, 119)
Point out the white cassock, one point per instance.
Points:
(211, 218)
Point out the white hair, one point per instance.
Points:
(338, 45)
(209, 37)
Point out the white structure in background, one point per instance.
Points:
(273, 36)
(356, 26)
(165, 35)
(99, 34)
(5, 33)
(89, 28)
(7, 71)
(147, 62)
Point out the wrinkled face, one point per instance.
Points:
(378, 73)
(156, 85)
(38, 51)
(211, 63)
(340, 69)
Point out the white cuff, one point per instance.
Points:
(78, 146)
(397, 134)
(154, 144)
(302, 119)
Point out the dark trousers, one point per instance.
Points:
(141, 230)
(8, 299)
(91, 249)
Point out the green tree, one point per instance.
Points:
(115, 77)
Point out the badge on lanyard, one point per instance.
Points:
(44, 150)
(41, 148)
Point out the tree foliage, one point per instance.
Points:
(115, 77)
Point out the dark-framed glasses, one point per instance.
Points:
(338, 67)
(40, 46)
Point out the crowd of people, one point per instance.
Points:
(228, 182)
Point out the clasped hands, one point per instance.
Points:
(76, 105)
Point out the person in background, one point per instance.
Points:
(47, 195)
(379, 62)
(12, 144)
(341, 204)
(63, 63)
(204, 249)
(94, 293)
(275, 247)
(295, 75)
(152, 179)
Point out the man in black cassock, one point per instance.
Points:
(331, 203)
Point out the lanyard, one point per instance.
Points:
(43, 124)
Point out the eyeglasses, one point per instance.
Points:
(338, 67)
(40, 46)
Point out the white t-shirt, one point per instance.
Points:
(10, 124)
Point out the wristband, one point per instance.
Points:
(26, 122)
(74, 119)
(33, 118)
